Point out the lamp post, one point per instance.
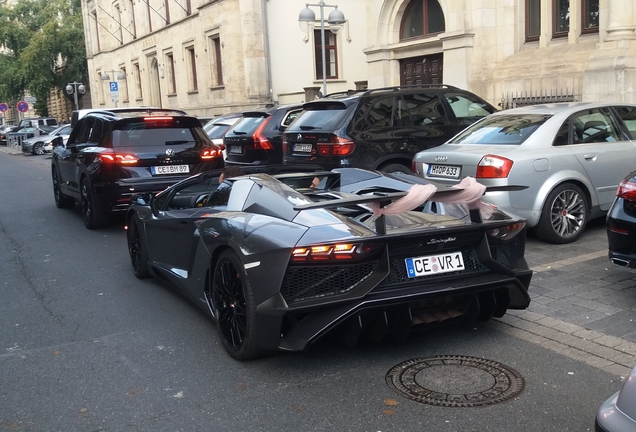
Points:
(74, 88)
(335, 20)
(114, 93)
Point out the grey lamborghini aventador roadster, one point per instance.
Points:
(281, 260)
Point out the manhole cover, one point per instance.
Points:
(455, 381)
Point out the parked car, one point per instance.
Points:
(111, 155)
(256, 139)
(5, 131)
(621, 224)
(380, 129)
(618, 413)
(281, 260)
(41, 144)
(39, 121)
(218, 127)
(23, 132)
(571, 156)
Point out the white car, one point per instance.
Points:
(572, 157)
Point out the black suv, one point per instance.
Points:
(379, 129)
(110, 156)
(256, 139)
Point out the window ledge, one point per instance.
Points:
(221, 87)
(193, 92)
(170, 95)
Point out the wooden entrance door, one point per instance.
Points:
(422, 70)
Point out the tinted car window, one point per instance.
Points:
(290, 117)
(217, 131)
(315, 118)
(501, 129)
(422, 109)
(246, 126)
(628, 115)
(594, 126)
(142, 133)
(467, 108)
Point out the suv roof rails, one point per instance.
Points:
(413, 86)
(343, 93)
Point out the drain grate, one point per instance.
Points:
(455, 381)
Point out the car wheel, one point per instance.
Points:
(137, 248)
(564, 215)
(61, 200)
(93, 218)
(396, 168)
(233, 305)
(38, 149)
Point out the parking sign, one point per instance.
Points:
(114, 91)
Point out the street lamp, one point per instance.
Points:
(121, 75)
(74, 88)
(335, 20)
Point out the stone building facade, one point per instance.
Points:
(210, 57)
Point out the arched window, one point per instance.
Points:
(422, 18)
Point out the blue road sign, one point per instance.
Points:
(114, 87)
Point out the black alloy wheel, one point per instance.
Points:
(38, 148)
(564, 215)
(93, 218)
(232, 302)
(137, 248)
(61, 200)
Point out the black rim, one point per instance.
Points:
(86, 203)
(228, 299)
(134, 246)
(568, 213)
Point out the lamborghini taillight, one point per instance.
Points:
(333, 252)
(507, 232)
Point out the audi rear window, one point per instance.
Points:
(501, 129)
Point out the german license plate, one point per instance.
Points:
(444, 171)
(302, 148)
(170, 169)
(235, 149)
(434, 264)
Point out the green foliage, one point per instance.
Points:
(44, 48)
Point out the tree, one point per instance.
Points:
(44, 48)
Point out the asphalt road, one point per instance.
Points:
(85, 346)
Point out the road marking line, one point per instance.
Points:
(569, 261)
(609, 353)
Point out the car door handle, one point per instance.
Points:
(589, 157)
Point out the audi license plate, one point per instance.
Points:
(302, 148)
(444, 171)
(434, 264)
(170, 169)
(235, 149)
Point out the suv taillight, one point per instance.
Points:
(120, 158)
(338, 146)
(211, 154)
(260, 141)
(627, 189)
(491, 166)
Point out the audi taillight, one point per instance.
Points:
(119, 158)
(627, 189)
(333, 252)
(338, 146)
(260, 141)
(491, 166)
